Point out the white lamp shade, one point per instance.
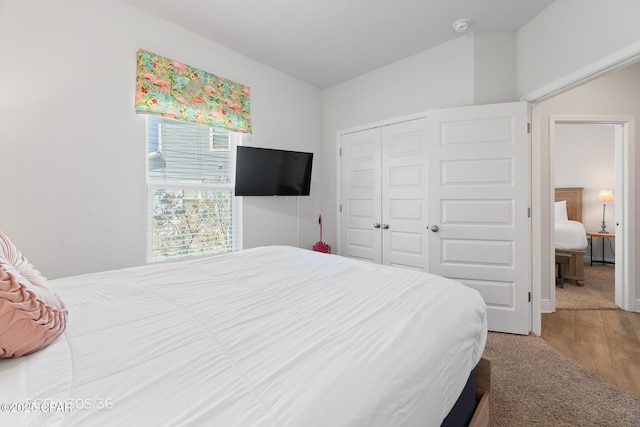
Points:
(605, 196)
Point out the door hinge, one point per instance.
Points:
(529, 296)
(528, 127)
(528, 212)
(340, 207)
(340, 152)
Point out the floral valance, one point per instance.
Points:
(172, 89)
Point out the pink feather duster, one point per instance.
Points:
(321, 246)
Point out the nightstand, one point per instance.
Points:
(603, 236)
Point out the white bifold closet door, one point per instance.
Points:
(384, 178)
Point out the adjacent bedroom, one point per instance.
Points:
(585, 215)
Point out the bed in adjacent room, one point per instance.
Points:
(570, 235)
(273, 336)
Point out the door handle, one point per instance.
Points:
(376, 225)
(385, 226)
(435, 228)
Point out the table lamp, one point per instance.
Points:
(605, 196)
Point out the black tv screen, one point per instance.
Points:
(270, 172)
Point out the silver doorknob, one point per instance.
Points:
(435, 228)
(385, 226)
(376, 225)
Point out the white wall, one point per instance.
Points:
(613, 95)
(72, 150)
(570, 35)
(584, 156)
(494, 56)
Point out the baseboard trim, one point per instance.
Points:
(545, 306)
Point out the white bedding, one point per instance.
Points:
(570, 235)
(272, 336)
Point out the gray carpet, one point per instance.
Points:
(535, 385)
(597, 293)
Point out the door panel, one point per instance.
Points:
(477, 172)
(479, 180)
(495, 294)
(477, 212)
(360, 176)
(404, 189)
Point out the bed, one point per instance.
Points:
(570, 236)
(270, 336)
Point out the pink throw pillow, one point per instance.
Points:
(31, 314)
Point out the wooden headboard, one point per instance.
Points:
(573, 196)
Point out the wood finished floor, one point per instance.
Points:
(605, 342)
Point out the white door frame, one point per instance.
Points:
(625, 211)
(542, 266)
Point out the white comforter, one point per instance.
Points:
(570, 235)
(272, 336)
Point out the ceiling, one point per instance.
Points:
(325, 42)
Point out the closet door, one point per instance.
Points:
(404, 190)
(383, 194)
(361, 196)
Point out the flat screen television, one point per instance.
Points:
(271, 172)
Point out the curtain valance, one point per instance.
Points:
(172, 89)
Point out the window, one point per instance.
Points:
(190, 174)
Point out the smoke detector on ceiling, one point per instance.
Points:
(461, 25)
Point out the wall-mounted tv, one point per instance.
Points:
(270, 172)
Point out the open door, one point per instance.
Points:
(479, 206)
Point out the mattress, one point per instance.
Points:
(570, 235)
(271, 336)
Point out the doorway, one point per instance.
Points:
(599, 340)
(602, 100)
(585, 153)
